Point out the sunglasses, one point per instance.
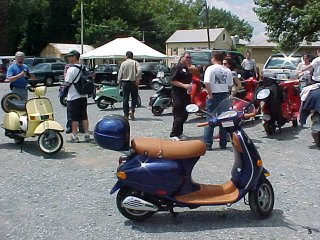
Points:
(225, 63)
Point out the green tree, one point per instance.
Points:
(289, 22)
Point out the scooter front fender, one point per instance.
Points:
(53, 125)
(163, 102)
(116, 187)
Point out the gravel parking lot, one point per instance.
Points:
(67, 196)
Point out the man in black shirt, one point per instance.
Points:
(181, 86)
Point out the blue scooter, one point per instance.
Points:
(155, 175)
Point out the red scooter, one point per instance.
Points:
(250, 86)
(282, 106)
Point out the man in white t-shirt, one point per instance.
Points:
(249, 67)
(315, 64)
(76, 103)
(217, 79)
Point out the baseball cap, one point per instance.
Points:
(74, 53)
(19, 54)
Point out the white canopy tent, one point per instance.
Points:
(117, 49)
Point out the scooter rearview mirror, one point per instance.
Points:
(263, 94)
(192, 108)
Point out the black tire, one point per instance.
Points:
(269, 128)
(295, 123)
(63, 101)
(4, 100)
(101, 104)
(139, 104)
(156, 110)
(261, 200)
(18, 140)
(50, 142)
(134, 215)
(48, 81)
(316, 137)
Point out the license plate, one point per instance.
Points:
(228, 124)
(281, 76)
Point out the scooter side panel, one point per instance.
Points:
(154, 175)
(245, 172)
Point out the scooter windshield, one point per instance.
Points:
(233, 104)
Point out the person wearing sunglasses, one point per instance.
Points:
(181, 86)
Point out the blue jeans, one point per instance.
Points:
(208, 131)
(22, 92)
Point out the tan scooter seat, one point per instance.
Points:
(159, 148)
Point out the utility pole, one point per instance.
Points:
(206, 8)
(82, 20)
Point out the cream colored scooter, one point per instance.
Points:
(32, 118)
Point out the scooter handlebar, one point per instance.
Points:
(203, 124)
(249, 115)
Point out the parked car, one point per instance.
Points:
(33, 61)
(48, 73)
(281, 66)
(203, 57)
(150, 71)
(106, 73)
(4, 64)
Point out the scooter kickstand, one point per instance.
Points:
(173, 213)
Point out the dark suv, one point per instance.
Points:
(106, 73)
(4, 64)
(48, 73)
(33, 61)
(203, 57)
(150, 70)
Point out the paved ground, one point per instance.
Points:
(66, 197)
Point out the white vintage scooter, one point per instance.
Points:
(32, 118)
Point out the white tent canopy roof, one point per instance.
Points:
(118, 48)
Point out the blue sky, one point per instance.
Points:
(241, 8)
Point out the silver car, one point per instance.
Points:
(281, 66)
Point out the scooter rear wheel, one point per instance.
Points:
(156, 110)
(261, 200)
(316, 137)
(131, 214)
(269, 128)
(101, 103)
(50, 142)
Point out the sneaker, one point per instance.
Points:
(183, 137)
(87, 137)
(175, 139)
(132, 116)
(74, 139)
(68, 130)
(209, 148)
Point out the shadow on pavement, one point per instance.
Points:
(194, 221)
(287, 133)
(31, 148)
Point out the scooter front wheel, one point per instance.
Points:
(136, 215)
(261, 200)
(50, 142)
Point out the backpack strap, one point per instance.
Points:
(80, 69)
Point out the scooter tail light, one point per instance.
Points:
(160, 192)
(236, 143)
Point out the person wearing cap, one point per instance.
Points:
(17, 75)
(76, 103)
(129, 77)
